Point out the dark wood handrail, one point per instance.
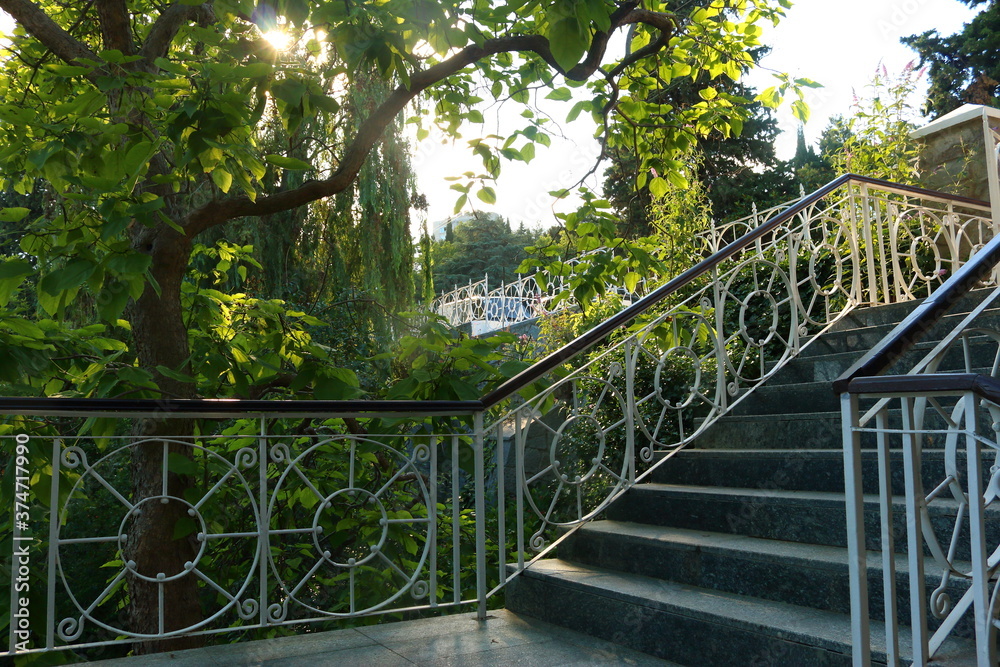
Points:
(983, 386)
(916, 325)
(600, 332)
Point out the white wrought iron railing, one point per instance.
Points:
(509, 304)
(943, 405)
(523, 300)
(308, 511)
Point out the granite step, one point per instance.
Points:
(792, 469)
(692, 625)
(809, 575)
(809, 517)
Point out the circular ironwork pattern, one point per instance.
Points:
(586, 453)
(136, 510)
(368, 522)
(99, 477)
(565, 434)
(352, 495)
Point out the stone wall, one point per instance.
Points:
(953, 160)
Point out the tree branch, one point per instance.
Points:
(169, 22)
(37, 23)
(116, 25)
(220, 211)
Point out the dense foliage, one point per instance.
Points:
(483, 246)
(178, 157)
(964, 67)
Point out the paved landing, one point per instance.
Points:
(503, 639)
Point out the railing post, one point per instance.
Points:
(630, 408)
(914, 534)
(856, 557)
(991, 147)
(852, 226)
(722, 361)
(887, 540)
(480, 517)
(263, 530)
(977, 539)
(870, 252)
(50, 612)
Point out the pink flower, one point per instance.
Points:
(941, 272)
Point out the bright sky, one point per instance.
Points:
(837, 44)
(841, 44)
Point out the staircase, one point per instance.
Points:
(734, 552)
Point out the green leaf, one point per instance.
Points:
(184, 527)
(658, 187)
(21, 326)
(68, 70)
(560, 94)
(137, 156)
(577, 108)
(15, 268)
(677, 179)
(112, 299)
(297, 11)
(180, 464)
(509, 369)
(174, 375)
(770, 97)
(13, 213)
(568, 41)
(222, 178)
(287, 162)
(70, 276)
(463, 390)
(403, 389)
(487, 195)
(335, 386)
(800, 110)
(133, 262)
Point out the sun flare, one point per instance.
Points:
(279, 39)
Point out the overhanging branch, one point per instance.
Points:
(165, 28)
(220, 211)
(38, 24)
(116, 25)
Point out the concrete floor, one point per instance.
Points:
(504, 639)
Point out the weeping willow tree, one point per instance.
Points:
(347, 258)
(364, 231)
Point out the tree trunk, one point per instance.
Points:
(161, 339)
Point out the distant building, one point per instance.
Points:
(439, 229)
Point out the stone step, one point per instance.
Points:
(894, 313)
(828, 367)
(802, 397)
(691, 625)
(804, 574)
(809, 517)
(863, 339)
(812, 430)
(805, 470)
(735, 552)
